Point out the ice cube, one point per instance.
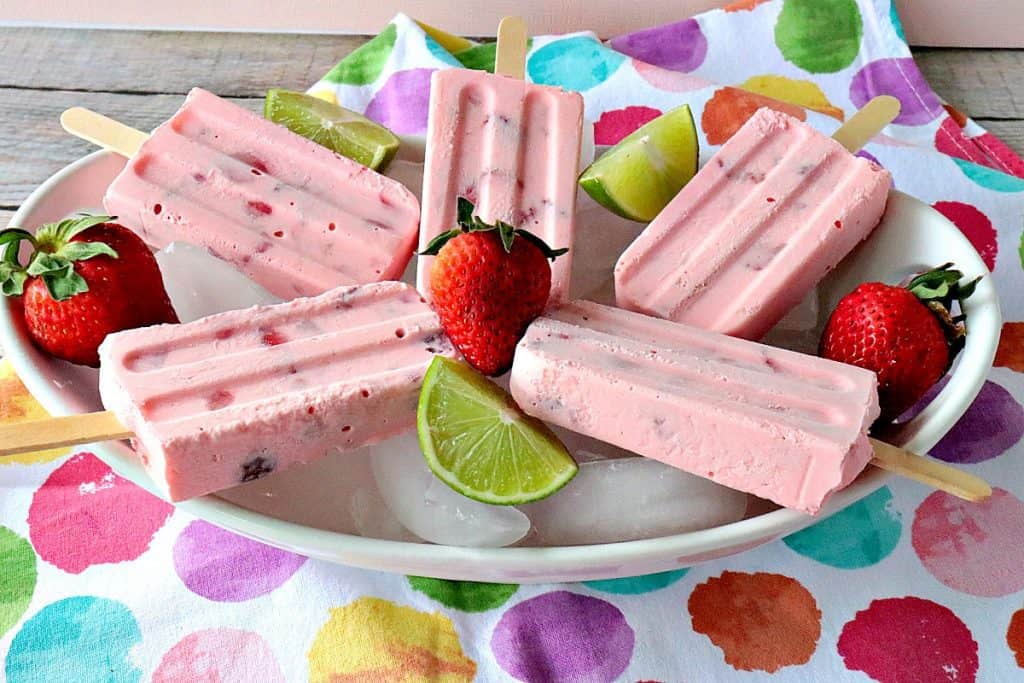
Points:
(631, 498)
(431, 510)
(337, 492)
(201, 284)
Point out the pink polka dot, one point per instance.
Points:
(950, 139)
(223, 566)
(669, 81)
(618, 123)
(225, 655)
(909, 639)
(974, 548)
(975, 226)
(1000, 155)
(84, 514)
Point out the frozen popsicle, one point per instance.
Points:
(774, 423)
(232, 397)
(763, 221)
(294, 216)
(512, 148)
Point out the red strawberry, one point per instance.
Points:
(906, 335)
(85, 279)
(488, 283)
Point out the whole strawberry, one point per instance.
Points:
(907, 335)
(488, 283)
(86, 278)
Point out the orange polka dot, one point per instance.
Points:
(1011, 347)
(1015, 636)
(743, 5)
(730, 108)
(761, 622)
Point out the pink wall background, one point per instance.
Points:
(972, 23)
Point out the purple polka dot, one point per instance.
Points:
(223, 566)
(563, 636)
(993, 424)
(903, 80)
(401, 104)
(680, 46)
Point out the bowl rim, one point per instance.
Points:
(531, 564)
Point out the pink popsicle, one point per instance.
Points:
(767, 217)
(510, 147)
(294, 216)
(232, 397)
(774, 423)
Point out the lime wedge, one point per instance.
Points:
(478, 442)
(336, 128)
(639, 176)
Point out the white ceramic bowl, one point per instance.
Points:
(911, 236)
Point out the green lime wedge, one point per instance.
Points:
(478, 442)
(336, 128)
(642, 173)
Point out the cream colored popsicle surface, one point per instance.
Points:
(774, 423)
(510, 147)
(232, 397)
(294, 216)
(759, 226)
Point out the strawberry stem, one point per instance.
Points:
(939, 288)
(467, 222)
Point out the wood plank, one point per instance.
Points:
(982, 83)
(5, 217)
(230, 64)
(1010, 132)
(35, 146)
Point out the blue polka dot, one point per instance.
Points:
(634, 585)
(859, 536)
(577, 63)
(439, 52)
(987, 177)
(894, 16)
(83, 639)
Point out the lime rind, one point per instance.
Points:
(641, 174)
(332, 126)
(477, 441)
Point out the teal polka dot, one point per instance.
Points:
(83, 639)
(989, 178)
(577, 63)
(635, 585)
(435, 49)
(859, 536)
(894, 16)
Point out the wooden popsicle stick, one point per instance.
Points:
(867, 123)
(57, 432)
(103, 131)
(510, 59)
(37, 435)
(931, 472)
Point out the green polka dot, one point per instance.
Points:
(364, 65)
(894, 17)
(479, 57)
(990, 178)
(859, 536)
(18, 572)
(467, 596)
(577, 63)
(1020, 250)
(820, 36)
(634, 585)
(439, 52)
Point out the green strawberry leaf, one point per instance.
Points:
(464, 212)
(12, 279)
(435, 244)
(53, 236)
(507, 233)
(44, 263)
(81, 251)
(64, 284)
(542, 245)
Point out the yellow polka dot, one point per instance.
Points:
(372, 639)
(17, 405)
(794, 91)
(325, 94)
(446, 40)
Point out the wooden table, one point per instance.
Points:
(139, 77)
